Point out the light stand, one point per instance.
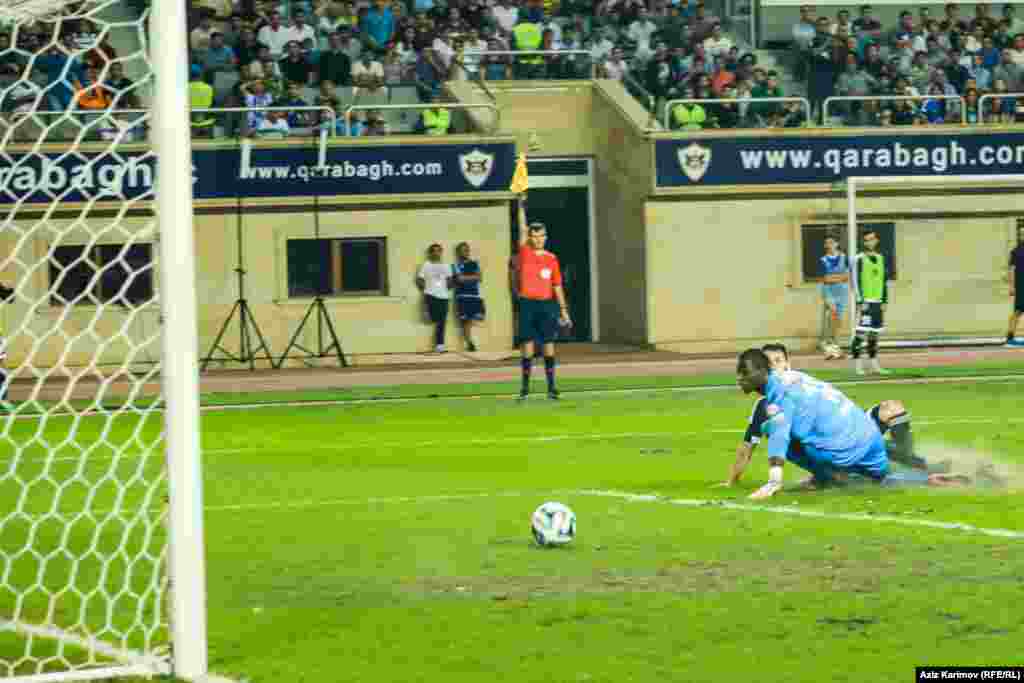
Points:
(247, 350)
(323, 319)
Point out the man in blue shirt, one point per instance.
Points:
(468, 302)
(835, 294)
(378, 26)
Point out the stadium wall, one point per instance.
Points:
(725, 270)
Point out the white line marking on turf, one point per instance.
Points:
(395, 445)
(796, 512)
(709, 504)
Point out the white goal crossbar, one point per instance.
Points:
(854, 183)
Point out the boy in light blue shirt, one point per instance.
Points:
(835, 294)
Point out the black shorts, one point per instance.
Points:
(871, 319)
(470, 308)
(538, 320)
(437, 308)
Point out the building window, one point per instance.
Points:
(120, 274)
(813, 245)
(337, 267)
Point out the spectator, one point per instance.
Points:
(349, 45)
(866, 21)
(273, 125)
(1009, 71)
(989, 53)
(688, 116)
(255, 95)
(722, 78)
(199, 39)
(903, 113)
(376, 124)
(295, 67)
(601, 48)
(903, 54)
(804, 32)
(770, 88)
(919, 72)
(933, 108)
(22, 95)
(956, 73)
(1017, 51)
(368, 78)
(327, 96)
(200, 96)
(436, 121)
(378, 26)
(435, 281)
(975, 41)
(394, 70)
(717, 44)
(248, 49)
(292, 98)
(506, 16)
(642, 29)
(92, 94)
(331, 22)
(9, 57)
(854, 82)
(233, 32)
(553, 64)
(53, 63)
(972, 113)
(935, 57)
(616, 67)
(275, 36)
(527, 36)
(1014, 24)
(123, 87)
(301, 31)
(982, 76)
(702, 24)
(219, 57)
(885, 118)
(495, 67)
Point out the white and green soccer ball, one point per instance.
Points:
(553, 524)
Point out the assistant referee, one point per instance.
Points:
(542, 304)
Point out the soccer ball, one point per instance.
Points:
(553, 524)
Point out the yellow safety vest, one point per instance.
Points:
(437, 121)
(528, 37)
(689, 117)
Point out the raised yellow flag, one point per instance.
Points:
(520, 180)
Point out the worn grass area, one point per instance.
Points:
(389, 542)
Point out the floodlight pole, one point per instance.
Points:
(171, 138)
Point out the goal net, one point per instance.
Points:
(101, 546)
(945, 243)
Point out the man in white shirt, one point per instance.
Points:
(273, 125)
(300, 31)
(442, 47)
(616, 68)
(435, 280)
(643, 28)
(368, 79)
(716, 45)
(506, 15)
(1017, 51)
(275, 36)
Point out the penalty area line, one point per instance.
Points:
(697, 503)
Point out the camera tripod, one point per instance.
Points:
(248, 328)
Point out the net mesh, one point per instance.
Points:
(82, 482)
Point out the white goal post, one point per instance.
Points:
(853, 184)
(102, 552)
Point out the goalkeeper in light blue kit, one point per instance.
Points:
(812, 425)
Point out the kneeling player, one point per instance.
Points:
(814, 426)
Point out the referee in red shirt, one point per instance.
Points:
(542, 304)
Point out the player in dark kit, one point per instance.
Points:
(1016, 290)
(869, 276)
(468, 302)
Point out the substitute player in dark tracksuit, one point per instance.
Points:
(542, 305)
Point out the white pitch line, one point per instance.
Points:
(396, 445)
(709, 504)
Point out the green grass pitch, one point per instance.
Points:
(390, 541)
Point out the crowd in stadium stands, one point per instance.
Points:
(923, 57)
(314, 58)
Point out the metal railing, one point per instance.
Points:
(1019, 96)
(634, 88)
(113, 114)
(745, 101)
(537, 53)
(882, 98)
(420, 107)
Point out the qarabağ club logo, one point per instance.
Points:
(476, 167)
(694, 160)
